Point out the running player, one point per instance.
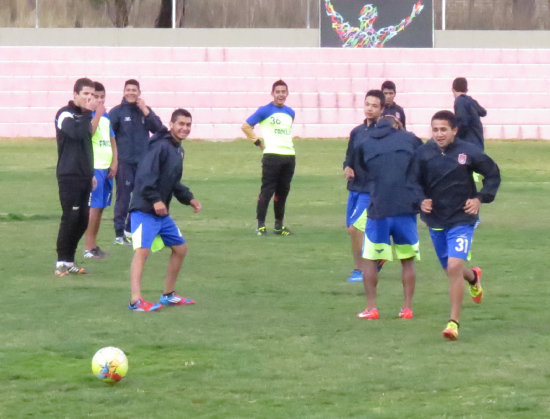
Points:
(451, 203)
(278, 160)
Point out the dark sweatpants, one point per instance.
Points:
(74, 195)
(277, 172)
(125, 176)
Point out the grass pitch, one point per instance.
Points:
(273, 333)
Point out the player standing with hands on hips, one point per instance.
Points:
(450, 205)
(157, 180)
(278, 160)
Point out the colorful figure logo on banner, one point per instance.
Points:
(365, 36)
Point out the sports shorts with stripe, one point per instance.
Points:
(380, 233)
(455, 242)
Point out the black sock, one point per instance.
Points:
(473, 281)
(261, 223)
(278, 224)
(168, 294)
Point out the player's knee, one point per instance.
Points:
(180, 250)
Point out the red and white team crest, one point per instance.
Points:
(462, 158)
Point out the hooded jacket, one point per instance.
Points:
(468, 113)
(73, 131)
(131, 128)
(446, 178)
(387, 159)
(353, 155)
(159, 173)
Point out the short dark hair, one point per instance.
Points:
(81, 83)
(133, 82)
(180, 112)
(278, 83)
(98, 87)
(388, 84)
(377, 93)
(446, 116)
(460, 84)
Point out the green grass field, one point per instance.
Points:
(273, 333)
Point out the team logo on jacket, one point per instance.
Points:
(127, 119)
(462, 158)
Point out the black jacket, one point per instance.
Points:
(395, 110)
(159, 173)
(73, 130)
(387, 158)
(468, 113)
(446, 178)
(353, 155)
(131, 128)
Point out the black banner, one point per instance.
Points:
(376, 23)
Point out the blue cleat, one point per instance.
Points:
(356, 276)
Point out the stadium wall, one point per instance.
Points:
(222, 86)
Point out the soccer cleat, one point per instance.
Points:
(406, 313)
(61, 271)
(95, 253)
(356, 276)
(476, 291)
(380, 263)
(123, 241)
(283, 231)
(369, 314)
(174, 299)
(451, 331)
(261, 231)
(78, 270)
(142, 305)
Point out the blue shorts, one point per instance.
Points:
(145, 227)
(454, 242)
(358, 203)
(101, 195)
(379, 232)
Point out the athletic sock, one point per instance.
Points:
(473, 281)
(261, 224)
(278, 224)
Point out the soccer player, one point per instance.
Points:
(132, 121)
(468, 113)
(75, 172)
(157, 180)
(105, 166)
(390, 107)
(451, 203)
(278, 161)
(387, 157)
(358, 196)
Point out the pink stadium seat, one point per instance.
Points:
(222, 86)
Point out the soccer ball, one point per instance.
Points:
(110, 364)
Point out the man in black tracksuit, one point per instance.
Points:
(157, 180)
(450, 205)
(131, 121)
(468, 112)
(75, 171)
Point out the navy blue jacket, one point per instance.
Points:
(446, 178)
(73, 129)
(395, 110)
(387, 158)
(468, 113)
(131, 128)
(159, 173)
(357, 136)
